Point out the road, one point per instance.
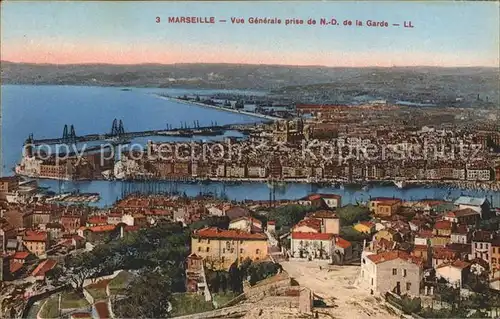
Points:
(336, 285)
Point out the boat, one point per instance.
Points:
(400, 184)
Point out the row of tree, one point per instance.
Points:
(232, 280)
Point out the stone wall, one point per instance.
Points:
(220, 313)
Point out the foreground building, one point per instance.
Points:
(219, 248)
(394, 271)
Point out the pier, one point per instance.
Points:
(118, 135)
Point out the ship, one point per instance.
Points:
(400, 184)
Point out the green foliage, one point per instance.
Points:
(164, 246)
(218, 281)
(479, 314)
(352, 235)
(186, 304)
(287, 216)
(235, 278)
(54, 274)
(411, 305)
(352, 214)
(147, 297)
(212, 221)
(50, 309)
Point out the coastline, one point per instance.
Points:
(492, 186)
(258, 115)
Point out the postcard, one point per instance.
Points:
(265, 159)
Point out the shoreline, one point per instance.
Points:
(258, 115)
(490, 186)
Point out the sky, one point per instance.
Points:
(444, 34)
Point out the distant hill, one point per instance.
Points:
(396, 82)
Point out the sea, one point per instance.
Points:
(44, 110)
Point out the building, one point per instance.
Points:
(482, 245)
(194, 274)
(96, 234)
(384, 207)
(478, 174)
(460, 235)
(308, 225)
(37, 242)
(466, 216)
(495, 258)
(6, 232)
(342, 248)
(394, 271)
(247, 224)
(8, 185)
(365, 227)
(71, 223)
(454, 272)
(42, 269)
(330, 222)
(479, 204)
(442, 228)
(220, 248)
(312, 245)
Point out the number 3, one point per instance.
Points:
(157, 19)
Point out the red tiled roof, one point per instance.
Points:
(14, 266)
(43, 267)
(368, 224)
(251, 219)
(21, 255)
(35, 236)
(425, 234)
(310, 222)
(101, 228)
(391, 255)
(462, 213)
(341, 242)
(78, 315)
(131, 228)
(386, 200)
(420, 247)
(271, 222)
(456, 264)
(214, 232)
(443, 253)
(194, 256)
(312, 236)
(322, 214)
(313, 197)
(442, 224)
(97, 220)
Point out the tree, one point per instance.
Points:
(352, 214)
(352, 235)
(81, 267)
(411, 305)
(54, 274)
(235, 278)
(147, 297)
